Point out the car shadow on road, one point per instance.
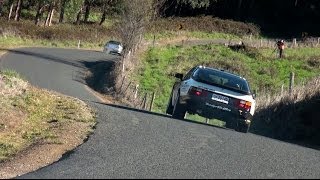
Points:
(195, 122)
(158, 114)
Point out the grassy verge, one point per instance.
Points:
(25, 33)
(169, 35)
(13, 42)
(30, 116)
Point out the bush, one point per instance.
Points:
(206, 24)
(294, 117)
(89, 33)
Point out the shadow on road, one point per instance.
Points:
(195, 122)
(44, 56)
(64, 56)
(86, 60)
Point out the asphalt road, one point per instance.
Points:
(132, 144)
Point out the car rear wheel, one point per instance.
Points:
(243, 127)
(179, 111)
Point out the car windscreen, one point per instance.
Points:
(221, 79)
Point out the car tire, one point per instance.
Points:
(243, 127)
(179, 111)
(169, 106)
(231, 123)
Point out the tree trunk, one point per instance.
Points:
(62, 10)
(1, 7)
(38, 15)
(18, 10)
(51, 16)
(79, 16)
(87, 12)
(10, 11)
(104, 14)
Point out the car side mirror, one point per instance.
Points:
(254, 94)
(179, 76)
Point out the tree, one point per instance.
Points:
(88, 4)
(62, 10)
(108, 7)
(104, 12)
(18, 10)
(41, 7)
(11, 5)
(37, 18)
(1, 7)
(135, 15)
(80, 6)
(50, 13)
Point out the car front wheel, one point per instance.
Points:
(179, 111)
(170, 107)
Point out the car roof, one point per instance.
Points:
(114, 42)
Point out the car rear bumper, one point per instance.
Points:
(212, 109)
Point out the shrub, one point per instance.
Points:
(205, 23)
(290, 117)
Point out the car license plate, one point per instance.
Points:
(220, 98)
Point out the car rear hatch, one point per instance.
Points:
(222, 101)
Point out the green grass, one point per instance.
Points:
(11, 73)
(12, 42)
(215, 35)
(264, 72)
(167, 35)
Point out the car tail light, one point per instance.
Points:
(243, 104)
(198, 91)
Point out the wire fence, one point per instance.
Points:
(132, 95)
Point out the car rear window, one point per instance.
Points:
(221, 79)
(114, 42)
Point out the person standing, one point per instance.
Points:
(280, 46)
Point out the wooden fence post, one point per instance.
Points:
(79, 43)
(154, 40)
(207, 120)
(282, 86)
(145, 101)
(291, 85)
(136, 91)
(152, 101)
(120, 89)
(294, 42)
(124, 92)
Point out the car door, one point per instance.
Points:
(177, 85)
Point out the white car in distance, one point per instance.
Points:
(113, 47)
